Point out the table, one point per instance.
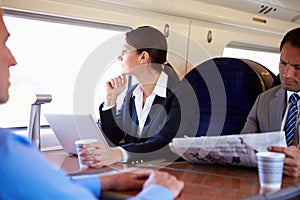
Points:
(201, 181)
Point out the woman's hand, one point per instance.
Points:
(114, 87)
(101, 154)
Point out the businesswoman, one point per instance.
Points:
(154, 111)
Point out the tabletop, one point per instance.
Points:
(201, 181)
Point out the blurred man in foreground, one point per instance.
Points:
(26, 174)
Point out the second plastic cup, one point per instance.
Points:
(270, 169)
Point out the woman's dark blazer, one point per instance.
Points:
(170, 117)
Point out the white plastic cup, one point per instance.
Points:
(78, 144)
(270, 169)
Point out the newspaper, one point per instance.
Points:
(237, 150)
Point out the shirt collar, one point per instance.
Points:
(160, 88)
(289, 93)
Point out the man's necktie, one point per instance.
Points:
(290, 125)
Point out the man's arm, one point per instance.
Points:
(27, 174)
(160, 185)
(252, 124)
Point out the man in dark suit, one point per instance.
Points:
(271, 109)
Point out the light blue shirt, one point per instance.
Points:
(26, 174)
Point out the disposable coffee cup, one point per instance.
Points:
(79, 144)
(270, 169)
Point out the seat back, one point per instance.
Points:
(276, 81)
(226, 89)
(265, 75)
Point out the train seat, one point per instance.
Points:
(276, 81)
(226, 89)
(265, 75)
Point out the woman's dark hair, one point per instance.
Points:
(292, 37)
(151, 40)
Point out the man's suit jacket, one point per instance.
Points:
(267, 113)
(174, 116)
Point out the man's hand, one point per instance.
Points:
(124, 181)
(168, 181)
(291, 161)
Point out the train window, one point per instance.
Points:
(50, 54)
(266, 58)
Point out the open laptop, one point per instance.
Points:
(71, 127)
